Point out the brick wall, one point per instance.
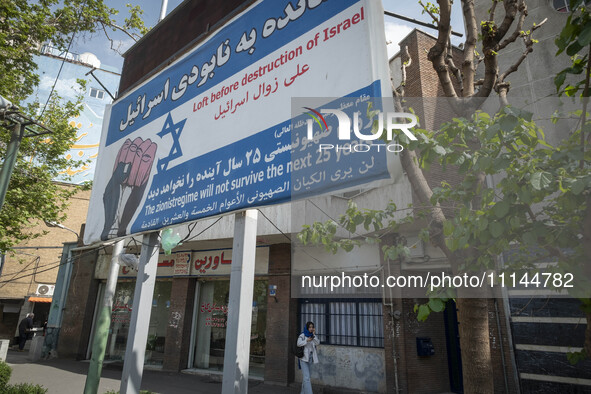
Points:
(81, 300)
(281, 318)
(424, 95)
(178, 330)
(189, 22)
(37, 261)
(425, 374)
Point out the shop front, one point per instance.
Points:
(209, 272)
(122, 306)
(213, 292)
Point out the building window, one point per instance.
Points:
(211, 324)
(563, 5)
(345, 322)
(97, 93)
(121, 320)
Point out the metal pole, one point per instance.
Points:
(9, 161)
(101, 333)
(237, 353)
(163, 10)
(133, 366)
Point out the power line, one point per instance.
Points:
(53, 265)
(59, 72)
(286, 236)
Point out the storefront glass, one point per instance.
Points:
(211, 326)
(121, 316)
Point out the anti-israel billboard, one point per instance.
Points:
(211, 133)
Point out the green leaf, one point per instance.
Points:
(573, 48)
(482, 224)
(424, 312)
(448, 228)
(541, 180)
(508, 123)
(576, 357)
(436, 305)
(578, 186)
(585, 36)
(559, 80)
(530, 238)
(440, 150)
(496, 229)
(501, 209)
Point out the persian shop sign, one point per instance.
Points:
(211, 133)
(201, 263)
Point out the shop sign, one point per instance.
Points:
(219, 262)
(182, 263)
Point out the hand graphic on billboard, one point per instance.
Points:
(127, 184)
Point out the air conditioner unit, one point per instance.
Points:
(45, 290)
(416, 246)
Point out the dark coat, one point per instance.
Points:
(25, 324)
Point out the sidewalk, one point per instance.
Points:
(69, 376)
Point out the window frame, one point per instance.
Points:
(99, 92)
(359, 339)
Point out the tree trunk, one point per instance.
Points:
(475, 345)
(472, 312)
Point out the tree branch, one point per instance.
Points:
(437, 53)
(410, 164)
(114, 26)
(491, 12)
(405, 61)
(529, 43)
(518, 28)
(468, 69)
(449, 60)
(511, 8)
(428, 11)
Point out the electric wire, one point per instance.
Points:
(60, 69)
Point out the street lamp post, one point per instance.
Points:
(19, 122)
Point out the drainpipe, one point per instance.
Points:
(392, 334)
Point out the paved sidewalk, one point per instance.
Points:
(69, 376)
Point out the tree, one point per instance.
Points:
(450, 212)
(24, 27)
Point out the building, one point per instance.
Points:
(370, 344)
(29, 274)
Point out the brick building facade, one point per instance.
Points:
(29, 274)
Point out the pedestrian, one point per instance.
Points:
(24, 329)
(309, 341)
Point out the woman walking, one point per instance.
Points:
(309, 342)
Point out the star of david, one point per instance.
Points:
(175, 130)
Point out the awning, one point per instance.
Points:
(40, 299)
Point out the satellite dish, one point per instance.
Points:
(90, 59)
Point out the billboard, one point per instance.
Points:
(211, 133)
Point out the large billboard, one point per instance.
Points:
(211, 133)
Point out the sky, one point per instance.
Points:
(396, 29)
